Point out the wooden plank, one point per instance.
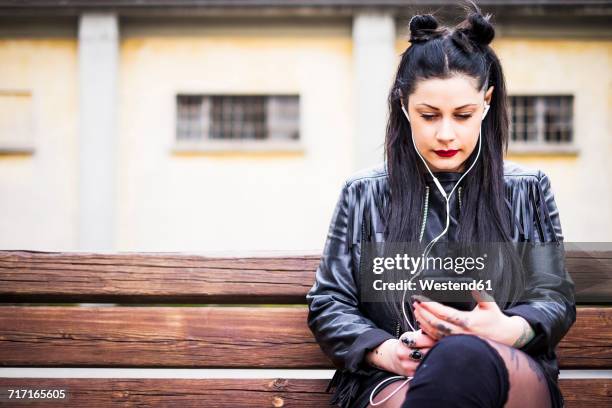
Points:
(588, 344)
(211, 337)
(274, 392)
(182, 278)
(160, 278)
(157, 337)
(592, 275)
(180, 392)
(594, 392)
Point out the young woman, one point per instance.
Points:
(444, 180)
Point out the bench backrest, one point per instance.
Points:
(194, 311)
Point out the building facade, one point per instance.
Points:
(93, 103)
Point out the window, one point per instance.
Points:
(237, 122)
(541, 124)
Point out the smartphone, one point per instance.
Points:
(452, 291)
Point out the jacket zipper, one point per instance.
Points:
(425, 208)
(365, 235)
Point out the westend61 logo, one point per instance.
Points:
(412, 264)
(457, 287)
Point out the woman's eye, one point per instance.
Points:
(432, 117)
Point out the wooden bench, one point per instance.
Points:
(169, 310)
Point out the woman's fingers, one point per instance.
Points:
(406, 352)
(417, 339)
(425, 325)
(450, 314)
(409, 360)
(434, 326)
(424, 340)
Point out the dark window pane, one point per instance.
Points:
(284, 117)
(523, 118)
(190, 120)
(558, 119)
(237, 117)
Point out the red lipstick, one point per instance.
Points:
(446, 153)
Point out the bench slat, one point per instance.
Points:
(215, 337)
(160, 278)
(27, 276)
(276, 392)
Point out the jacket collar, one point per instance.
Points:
(443, 176)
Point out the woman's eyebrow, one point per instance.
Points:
(459, 107)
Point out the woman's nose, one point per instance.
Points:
(445, 133)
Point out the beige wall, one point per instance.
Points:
(233, 201)
(582, 183)
(38, 192)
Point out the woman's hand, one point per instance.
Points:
(485, 320)
(403, 362)
(396, 355)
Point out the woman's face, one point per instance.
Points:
(445, 117)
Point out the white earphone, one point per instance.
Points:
(429, 246)
(486, 110)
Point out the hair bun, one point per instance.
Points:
(422, 27)
(480, 29)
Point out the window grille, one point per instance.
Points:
(237, 117)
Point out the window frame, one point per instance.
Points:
(210, 145)
(541, 146)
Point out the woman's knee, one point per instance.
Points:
(460, 370)
(463, 352)
(467, 360)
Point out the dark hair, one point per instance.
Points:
(442, 52)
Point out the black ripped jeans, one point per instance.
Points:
(463, 371)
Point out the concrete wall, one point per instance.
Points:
(38, 191)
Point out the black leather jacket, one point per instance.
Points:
(346, 328)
